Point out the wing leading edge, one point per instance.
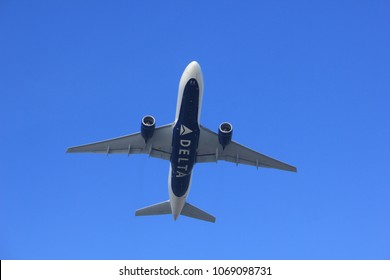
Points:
(210, 150)
(159, 146)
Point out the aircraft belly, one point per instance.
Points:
(185, 140)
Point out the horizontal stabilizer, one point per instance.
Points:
(193, 212)
(156, 209)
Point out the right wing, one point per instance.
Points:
(159, 146)
(209, 150)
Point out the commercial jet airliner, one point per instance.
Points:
(184, 143)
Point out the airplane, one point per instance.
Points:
(184, 143)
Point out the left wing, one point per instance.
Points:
(209, 150)
(159, 146)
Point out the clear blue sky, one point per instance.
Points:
(306, 82)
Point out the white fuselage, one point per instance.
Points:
(181, 167)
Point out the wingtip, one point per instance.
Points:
(72, 150)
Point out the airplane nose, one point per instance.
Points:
(194, 69)
(194, 66)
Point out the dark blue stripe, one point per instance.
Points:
(185, 143)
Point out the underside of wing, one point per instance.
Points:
(159, 146)
(210, 150)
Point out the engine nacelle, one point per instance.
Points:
(148, 124)
(225, 133)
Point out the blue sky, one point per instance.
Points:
(306, 82)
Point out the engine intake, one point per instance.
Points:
(148, 124)
(225, 133)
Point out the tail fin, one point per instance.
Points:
(193, 212)
(155, 209)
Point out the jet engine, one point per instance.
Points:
(225, 133)
(148, 124)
